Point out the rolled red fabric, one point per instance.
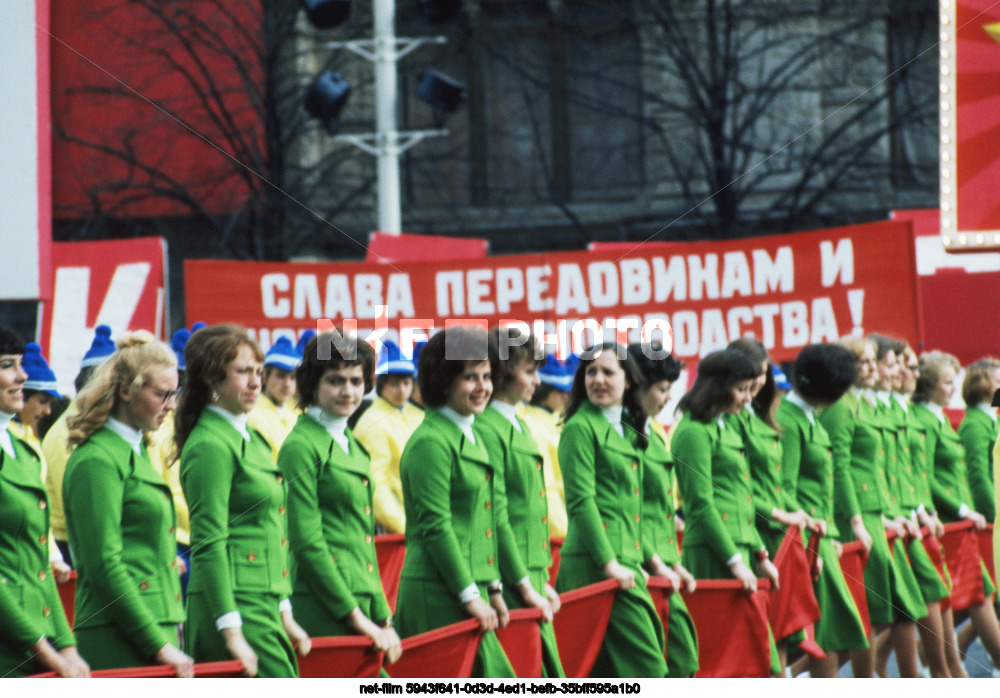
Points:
(852, 563)
(793, 604)
(580, 626)
(346, 657)
(732, 628)
(522, 642)
(961, 553)
(390, 549)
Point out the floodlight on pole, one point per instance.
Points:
(326, 97)
(327, 14)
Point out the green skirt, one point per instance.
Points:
(551, 664)
(262, 629)
(932, 587)
(839, 628)
(700, 562)
(105, 647)
(907, 598)
(682, 640)
(633, 645)
(425, 604)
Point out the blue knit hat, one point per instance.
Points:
(198, 326)
(282, 354)
(180, 339)
(300, 347)
(780, 379)
(40, 376)
(101, 348)
(392, 362)
(555, 373)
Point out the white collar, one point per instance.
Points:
(463, 422)
(238, 421)
(507, 410)
(936, 409)
(797, 400)
(900, 399)
(749, 408)
(334, 425)
(5, 441)
(884, 396)
(133, 437)
(614, 417)
(991, 411)
(720, 422)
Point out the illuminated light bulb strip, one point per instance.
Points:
(946, 123)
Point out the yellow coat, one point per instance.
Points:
(383, 431)
(55, 447)
(274, 423)
(544, 427)
(160, 451)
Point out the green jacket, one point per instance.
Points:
(950, 483)
(239, 531)
(29, 603)
(896, 453)
(979, 433)
(858, 454)
(518, 461)
(764, 456)
(714, 476)
(453, 507)
(121, 521)
(923, 467)
(331, 522)
(603, 474)
(910, 480)
(807, 463)
(658, 528)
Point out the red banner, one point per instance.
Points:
(119, 283)
(788, 290)
(732, 628)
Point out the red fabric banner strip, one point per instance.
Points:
(580, 626)
(985, 540)
(853, 559)
(446, 652)
(209, 670)
(522, 642)
(349, 657)
(961, 553)
(660, 590)
(732, 628)
(793, 604)
(555, 545)
(390, 549)
(67, 594)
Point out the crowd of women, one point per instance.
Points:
(259, 478)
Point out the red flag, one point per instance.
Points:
(522, 642)
(809, 645)
(346, 657)
(853, 559)
(555, 545)
(390, 549)
(660, 590)
(732, 628)
(67, 594)
(812, 555)
(961, 553)
(446, 652)
(933, 547)
(580, 626)
(793, 603)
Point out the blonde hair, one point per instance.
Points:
(856, 345)
(932, 365)
(976, 384)
(138, 357)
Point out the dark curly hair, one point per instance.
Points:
(633, 414)
(445, 357)
(651, 369)
(345, 350)
(822, 373)
(718, 373)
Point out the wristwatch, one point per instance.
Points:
(495, 588)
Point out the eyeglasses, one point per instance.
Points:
(165, 395)
(914, 368)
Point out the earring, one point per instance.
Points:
(215, 396)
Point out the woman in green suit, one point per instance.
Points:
(721, 538)
(979, 431)
(657, 372)
(34, 634)
(601, 454)
(120, 513)
(822, 373)
(514, 453)
(457, 534)
(238, 605)
(945, 456)
(336, 589)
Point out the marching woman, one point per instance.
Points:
(34, 634)
(456, 518)
(331, 524)
(120, 512)
(516, 457)
(862, 502)
(238, 605)
(945, 462)
(601, 455)
(979, 431)
(822, 373)
(657, 372)
(776, 511)
(720, 539)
